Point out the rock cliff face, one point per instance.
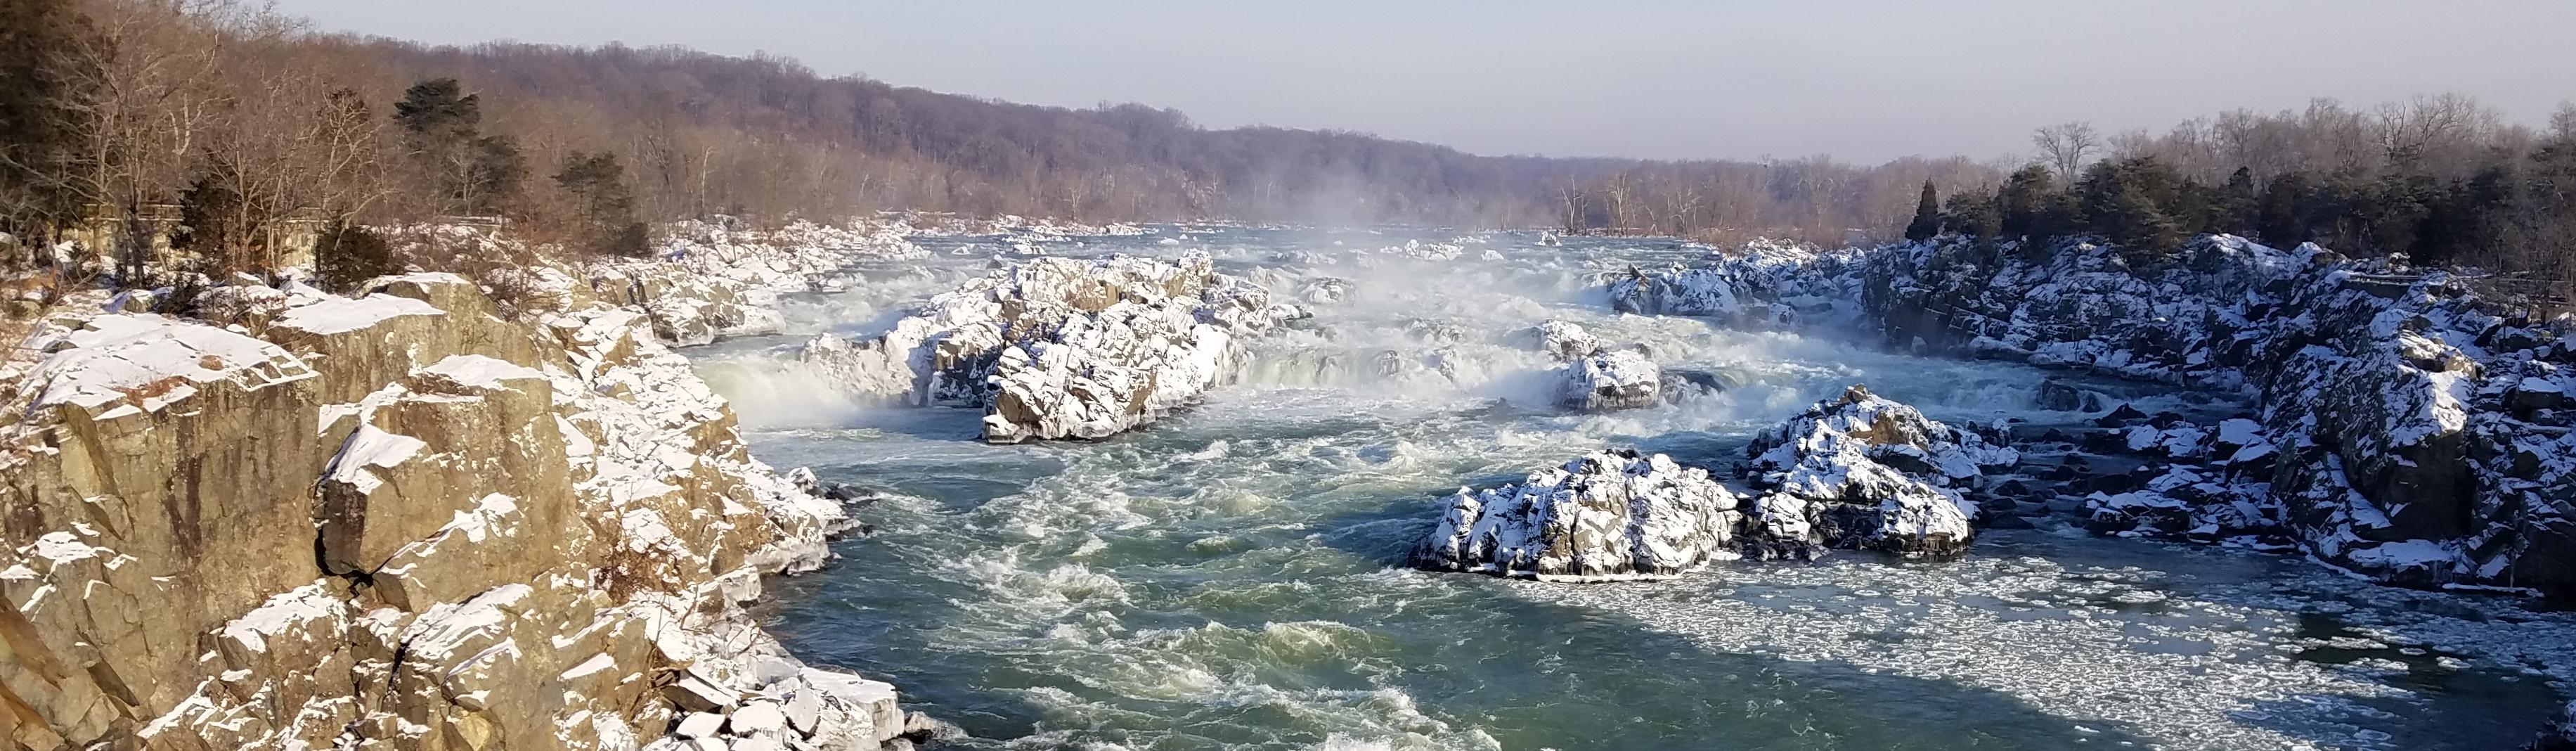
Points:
(1063, 348)
(1857, 472)
(2411, 430)
(391, 521)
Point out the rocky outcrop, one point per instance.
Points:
(1857, 472)
(1769, 284)
(397, 520)
(708, 281)
(1610, 515)
(1063, 348)
(1863, 472)
(1616, 379)
(2415, 431)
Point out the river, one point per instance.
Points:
(1230, 577)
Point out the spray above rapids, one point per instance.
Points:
(1231, 579)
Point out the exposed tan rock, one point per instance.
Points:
(391, 521)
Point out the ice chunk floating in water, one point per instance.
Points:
(1229, 578)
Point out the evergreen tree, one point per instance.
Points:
(2236, 208)
(2024, 205)
(210, 212)
(475, 173)
(347, 255)
(603, 202)
(439, 113)
(1927, 215)
(2278, 221)
(2131, 202)
(45, 90)
(494, 175)
(2338, 212)
(1972, 214)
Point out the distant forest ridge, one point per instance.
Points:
(592, 140)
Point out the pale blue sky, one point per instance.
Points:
(1861, 80)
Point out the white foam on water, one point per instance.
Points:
(1233, 502)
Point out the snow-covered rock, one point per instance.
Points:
(1858, 472)
(1565, 341)
(2411, 430)
(1063, 348)
(1769, 284)
(708, 280)
(1863, 472)
(1617, 379)
(1609, 515)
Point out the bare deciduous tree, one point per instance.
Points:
(2067, 146)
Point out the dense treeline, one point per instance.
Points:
(113, 111)
(2440, 180)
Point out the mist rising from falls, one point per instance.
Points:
(1222, 579)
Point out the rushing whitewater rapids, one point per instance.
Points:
(1229, 578)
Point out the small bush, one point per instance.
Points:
(348, 255)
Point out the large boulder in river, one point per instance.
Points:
(1609, 515)
(1617, 379)
(1863, 472)
(1064, 348)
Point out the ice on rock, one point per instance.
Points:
(1063, 348)
(1864, 472)
(1610, 515)
(1617, 379)
(1565, 341)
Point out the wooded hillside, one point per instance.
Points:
(111, 108)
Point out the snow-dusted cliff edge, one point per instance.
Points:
(396, 520)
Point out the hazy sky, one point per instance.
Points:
(1860, 80)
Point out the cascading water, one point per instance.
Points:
(1225, 578)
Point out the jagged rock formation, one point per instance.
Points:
(1863, 472)
(391, 521)
(1617, 379)
(1857, 472)
(2423, 434)
(709, 281)
(1064, 348)
(1610, 515)
(1770, 284)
